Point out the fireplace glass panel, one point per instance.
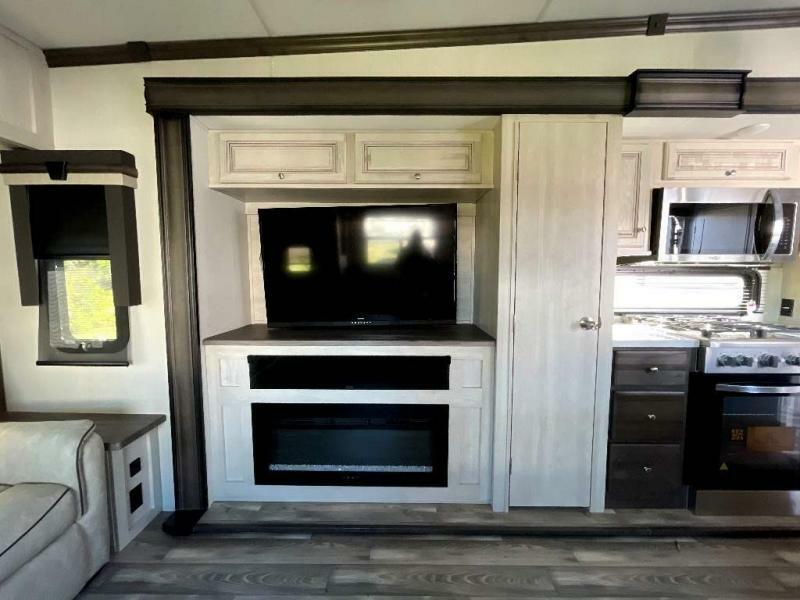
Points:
(350, 444)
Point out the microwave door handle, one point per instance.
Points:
(758, 389)
(777, 227)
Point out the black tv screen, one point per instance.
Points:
(359, 265)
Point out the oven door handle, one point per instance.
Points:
(758, 389)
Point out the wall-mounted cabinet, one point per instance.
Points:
(420, 158)
(635, 200)
(264, 158)
(717, 161)
(386, 159)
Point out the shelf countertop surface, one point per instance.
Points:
(434, 335)
(640, 335)
(116, 430)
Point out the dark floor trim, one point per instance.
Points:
(182, 522)
(668, 531)
(138, 51)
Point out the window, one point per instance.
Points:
(79, 320)
(687, 290)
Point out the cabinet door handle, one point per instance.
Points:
(730, 172)
(281, 175)
(652, 369)
(647, 469)
(417, 176)
(651, 416)
(641, 229)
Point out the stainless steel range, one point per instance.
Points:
(743, 417)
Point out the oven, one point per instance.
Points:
(724, 225)
(743, 435)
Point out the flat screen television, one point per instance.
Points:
(359, 265)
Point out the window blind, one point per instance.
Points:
(686, 290)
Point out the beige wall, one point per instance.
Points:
(103, 107)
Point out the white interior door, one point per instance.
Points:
(559, 243)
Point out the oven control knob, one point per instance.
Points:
(768, 360)
(742, 360)
(726, 360)
(792, 360)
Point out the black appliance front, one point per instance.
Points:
(743, 433)
(350, 444)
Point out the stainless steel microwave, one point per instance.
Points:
(724, 225)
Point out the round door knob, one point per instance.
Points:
(651, 416)
(730, 172)
(281, 175)
(417, 175)
(588, 323)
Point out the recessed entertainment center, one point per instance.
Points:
(350, 356)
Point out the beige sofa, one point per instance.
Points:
(54, 531)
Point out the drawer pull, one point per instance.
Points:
(647, 469)
(730, 172)
(652, 369)
(281, 175)
(417, 176)
(651, 416)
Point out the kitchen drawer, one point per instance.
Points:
(645, 476)
(269, 158)
(730, 160)
(652, 368)
(648, 417)
(421, 158)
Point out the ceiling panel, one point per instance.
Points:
(297, 17)
(567, 10)
(64, 23)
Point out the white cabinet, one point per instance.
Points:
(26, 117)
(635, 201)
(422, 158)
(564, 272)
(731, 160)
(259, 158)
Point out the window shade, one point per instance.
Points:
(68, 221)
(735, 291)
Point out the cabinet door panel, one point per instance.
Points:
(730, 160)
(635, 201)
(281, 158)
(560, 196)
(419, 158)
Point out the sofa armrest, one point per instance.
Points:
(46, 451)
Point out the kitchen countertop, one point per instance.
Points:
(641, 335)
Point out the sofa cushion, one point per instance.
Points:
(32, 516)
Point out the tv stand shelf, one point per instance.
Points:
(257, 335)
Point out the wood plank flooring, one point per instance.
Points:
(477, 519)
(302, 566)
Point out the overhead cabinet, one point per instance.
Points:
(635, 200)
(730, 160)
(351, 159)
(280, 158)
(402, 158)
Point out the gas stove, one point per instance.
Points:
(737, 346)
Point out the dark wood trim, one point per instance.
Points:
(387, 95)
(651, 92)
(176, 203)
(27, 269)
(138, 51)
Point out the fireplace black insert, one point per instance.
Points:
(350, 444)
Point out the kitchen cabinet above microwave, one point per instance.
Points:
(730, 161)
(725, 225)
(327, 159)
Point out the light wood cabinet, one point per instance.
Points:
(279, 158)
(423, 158)
(635, 200)
(731, 160)
(561, 200)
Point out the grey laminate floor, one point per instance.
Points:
(303, 566)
